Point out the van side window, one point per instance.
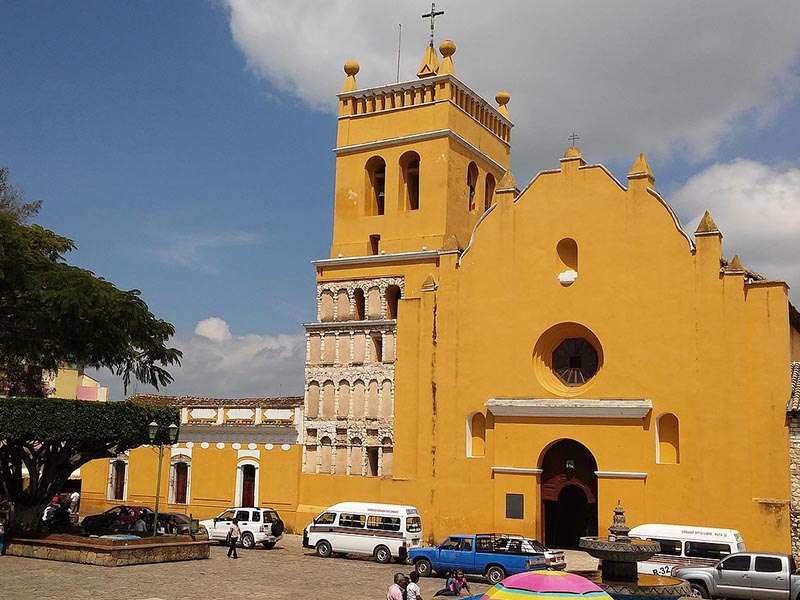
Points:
(768, 564)
(708, 550)
(383, 523)
(326, 518)
(243, 515)
(257, 516)
(413, 524)
(671, 547)
(348, 520)
(735, 563)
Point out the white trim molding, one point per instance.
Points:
(569, 408)
(516, 470)
(620, 475)
(399, 257)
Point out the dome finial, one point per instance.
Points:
(502, 99)
(351, 68)
(447, 48)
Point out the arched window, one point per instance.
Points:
(567, 250)
(374, 303)
(372, 399)
(668, 449)
(372, 461)
(356, 456)
(376, 348)
(476, 435)
(343, 409)
(488, 192)
(342, 306)
(326, 306)
(179, 479)
(376, 186)
(359, 401)
(392, 297)
(386, 398)
(247, 483)
(409, 168)
(328, 400)
(326, 454)
(472, 184)
(312, 400)
(359, 304)
(118, 478)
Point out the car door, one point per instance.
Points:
(734, 577)
(450, 553)
(243, 516)
(221, 525)
(770, 579)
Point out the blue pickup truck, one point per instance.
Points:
(494, 555)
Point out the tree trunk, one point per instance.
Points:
(24, 518)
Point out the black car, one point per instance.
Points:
(118, 518)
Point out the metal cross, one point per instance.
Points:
(432, 15)
(573, 137)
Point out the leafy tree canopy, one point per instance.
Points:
(50, 438)
(12, 202)
(52, 313)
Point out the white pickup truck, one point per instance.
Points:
(751, 575)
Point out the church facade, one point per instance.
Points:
(511, 360)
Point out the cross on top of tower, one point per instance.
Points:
(573, 137)
(432, 15)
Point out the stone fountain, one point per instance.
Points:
(618, 574)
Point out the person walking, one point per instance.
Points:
(233, 537)
(74, 498)
(397, 589)
(412, 589)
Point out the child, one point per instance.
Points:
(460, 583)
(412, 589)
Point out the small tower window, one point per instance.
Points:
(358, 298)
(472, 183)
(376, 186)
(409, 165)
(488, 196)
(567, 250)
(392, 296)
(668, 440)
(374, 243)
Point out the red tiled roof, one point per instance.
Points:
(193, 401)
(793, 406)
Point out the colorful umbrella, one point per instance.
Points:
(545, 585)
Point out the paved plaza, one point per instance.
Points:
(287, 571)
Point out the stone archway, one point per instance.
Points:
(568, 493)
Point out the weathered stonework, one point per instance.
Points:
(110, 553)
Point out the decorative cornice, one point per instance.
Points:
(517, 470)
(399, 257)
(569, 408)
(421, 137)
(620, 475)
(381, 324)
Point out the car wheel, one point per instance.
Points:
(248, 542)
(423, 567)
(324, 549)
(699, 590)
(382, 555)
(495, 574)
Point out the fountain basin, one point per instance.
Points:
(628, 550)
(648, 587)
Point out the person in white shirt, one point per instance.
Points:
(412, 589)
(74, 497)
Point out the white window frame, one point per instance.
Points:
(110, 488)
(172, 479)
(240, 482)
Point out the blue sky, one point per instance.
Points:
(186, 146)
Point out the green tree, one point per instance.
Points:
(49, 438)
(53, 313)
(12, 202)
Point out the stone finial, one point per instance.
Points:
(430, 63)
(619, 529)
(451, 243)
(502, 99)
(429, 285)
(707, 226)
(447, 48)
(351, 68)
(572, 152)
(735, 266)
(507, 182)
(641, 169)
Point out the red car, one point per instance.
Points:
(117, 518)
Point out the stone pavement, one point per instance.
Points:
(286, 571)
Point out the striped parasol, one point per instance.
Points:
(545, 585)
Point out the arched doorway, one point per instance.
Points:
(248, 485)
(569, 494)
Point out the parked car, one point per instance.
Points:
(494, 555)
(745, 575)
(181, 523)
(117, 518)
(555, 558)
(258, 526)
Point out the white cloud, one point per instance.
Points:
(757, 209)
(659, 77)
(218, 364)
(196, 250)
(214, 329)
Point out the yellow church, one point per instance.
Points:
(504, 359)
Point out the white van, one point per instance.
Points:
(384, 531)
(686, 545)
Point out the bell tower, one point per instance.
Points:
(417, 162)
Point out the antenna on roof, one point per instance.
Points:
(399, 42)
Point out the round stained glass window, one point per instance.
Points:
(575, 361)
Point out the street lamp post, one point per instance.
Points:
(152, 431)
